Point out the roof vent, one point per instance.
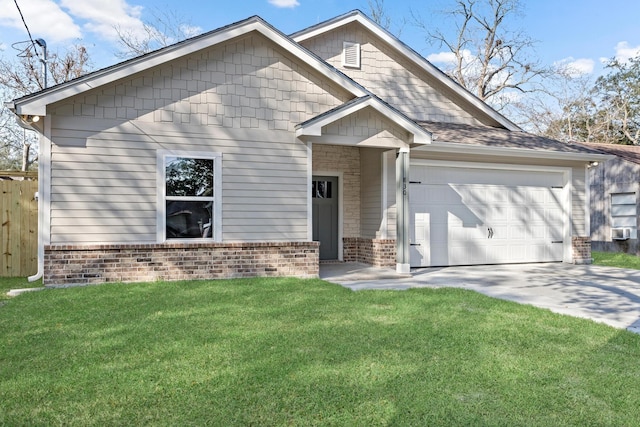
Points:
(351, 54)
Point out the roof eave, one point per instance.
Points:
(36, 104)
(456, 148)
(313, 127)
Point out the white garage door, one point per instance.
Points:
(467, 216)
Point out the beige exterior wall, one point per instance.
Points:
(366, 128)
(371, 193)
(242, 99)
(344, 160)
(390, 76)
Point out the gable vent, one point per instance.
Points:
(351, 54)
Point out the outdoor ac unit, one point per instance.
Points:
(620, 233)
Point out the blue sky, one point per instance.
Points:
(580, 31)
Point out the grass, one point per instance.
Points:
(8, 283)
(271, 352)
(616, 259)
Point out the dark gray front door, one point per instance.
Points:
(324, 195)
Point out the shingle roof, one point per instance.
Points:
(627, 152)
(495, 137)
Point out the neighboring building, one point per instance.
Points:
(234, 153)
(614, 186)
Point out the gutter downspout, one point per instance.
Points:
(44, 155)
(44, 169)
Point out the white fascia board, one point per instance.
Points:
(314, 128)
(456, 148)
(331, 25)
(415, 58)
(36, 105)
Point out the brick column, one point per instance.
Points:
(581, 250)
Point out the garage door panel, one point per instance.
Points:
(478, 216)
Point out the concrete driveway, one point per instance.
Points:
(604, 294)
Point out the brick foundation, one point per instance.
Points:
(377, 252)
(85, 264)
(581, 250)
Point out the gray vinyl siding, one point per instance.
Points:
(391, 76)
(241, 99)
(106, 191)
(612, 176)
(578, 199)
(371, 192)
(390, 209)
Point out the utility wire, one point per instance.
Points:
(35, 49)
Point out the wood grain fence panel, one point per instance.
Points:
(18, 228)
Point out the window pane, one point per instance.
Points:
(321, 189)
(189, 219)
(623, 199)
(189, 177)
(623, 210)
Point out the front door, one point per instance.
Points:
(324, 196)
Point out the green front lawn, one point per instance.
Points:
(616, 259)
(9, 283)
(269, 352)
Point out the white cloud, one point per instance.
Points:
(576, 67)
(284, 3)
(102, 17)
(449, 58)
(442, 58)
(190, 30)
(45, 20)
(624, 52)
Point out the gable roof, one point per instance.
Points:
(630, 153)
(313, 126)
(35, 103)
(410, 54)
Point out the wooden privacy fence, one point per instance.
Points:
(19, 224)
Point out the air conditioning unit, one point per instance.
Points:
(620, 233)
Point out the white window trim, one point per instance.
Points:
(161, 213)
(350, 45)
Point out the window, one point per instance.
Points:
(321, 189)
(624, 213)
(351, 54)
(188, 202)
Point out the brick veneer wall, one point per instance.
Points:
(85, 264)
(581, 248)
(377, 252)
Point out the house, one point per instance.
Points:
(247, 152)
(614, 186)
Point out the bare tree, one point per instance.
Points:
(619, 93)
(488, 57)
(606, 111)
(163, 29)
(24, 76)
(378, 13)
